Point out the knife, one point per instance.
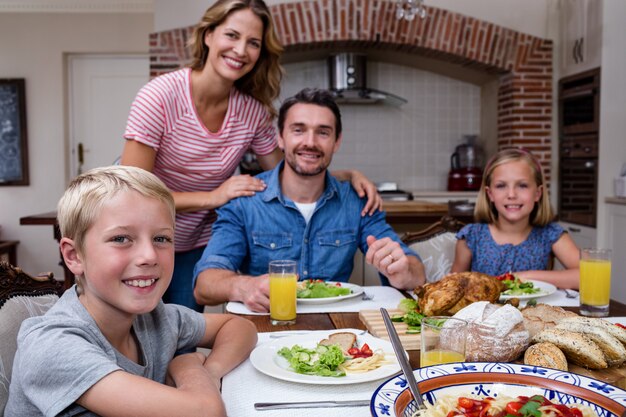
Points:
(404, 363)
(312, 404)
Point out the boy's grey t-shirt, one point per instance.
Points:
(61, 354)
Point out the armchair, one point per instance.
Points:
(21, 296)
(435, 245)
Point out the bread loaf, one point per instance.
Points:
(577, 347)
(613, 350)
(547, 355)
(345, 340)
(495, 333)
(543, 316)
(614, 330)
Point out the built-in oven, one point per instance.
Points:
(579, 103)
(578, 179)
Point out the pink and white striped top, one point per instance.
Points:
(190, 157)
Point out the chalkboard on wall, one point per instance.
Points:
(13, 149)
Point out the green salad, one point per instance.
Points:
(324, 360)
(516, 287)
(316, 288)
(411, 317)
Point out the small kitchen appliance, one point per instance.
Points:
(466, 166)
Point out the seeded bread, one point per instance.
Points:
(345, 340)
(577, 347)
(613, 350)
(614, 330)
(547, 355)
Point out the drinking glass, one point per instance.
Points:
(595, 282)
(283, 283)
(443, 340)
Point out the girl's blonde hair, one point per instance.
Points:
(82, 202)
(485, 211)
(263, 81)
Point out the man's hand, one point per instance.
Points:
(387, 256)
(364, 187)
(254, 292)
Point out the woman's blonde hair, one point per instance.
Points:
(263, 81)
(82, 202)
(485, 211)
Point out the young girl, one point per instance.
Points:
(192, 127)
(515, 232)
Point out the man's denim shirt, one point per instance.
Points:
(252, 231)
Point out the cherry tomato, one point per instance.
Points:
(620, 325)
(466, 403)
(513, 408)
(354, 351)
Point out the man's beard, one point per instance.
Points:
(291, 161)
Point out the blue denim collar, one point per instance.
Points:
(273, 190)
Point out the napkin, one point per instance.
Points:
(386, 297)
(244, 386)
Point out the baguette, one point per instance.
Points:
(547, 355)
(577, 347)
(613, 350)
(614, 330)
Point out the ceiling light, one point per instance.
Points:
(408, 9)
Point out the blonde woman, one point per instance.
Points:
(191, 127)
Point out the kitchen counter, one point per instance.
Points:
(415, 215)
(616, 200)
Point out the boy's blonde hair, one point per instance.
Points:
(82, 201)
(263, 81)
(485, 212)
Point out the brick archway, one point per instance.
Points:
(523, 63)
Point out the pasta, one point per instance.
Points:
(454, 406)
(361, 365)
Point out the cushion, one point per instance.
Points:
(13, 312)
(437, 255)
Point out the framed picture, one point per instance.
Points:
(13, 147)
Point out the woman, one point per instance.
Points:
(191, 127)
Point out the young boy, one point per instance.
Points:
(107, 345)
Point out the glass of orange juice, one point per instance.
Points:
(595, 282)
(283, 284)
(443, 340)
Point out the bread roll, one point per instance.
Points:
(614, 330)
(547, 355)
(577, 347)
(495, 333)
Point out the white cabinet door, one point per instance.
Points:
(584, 237)
(581, 35)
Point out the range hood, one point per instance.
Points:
(348, 82)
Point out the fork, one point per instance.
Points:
(367, 297)
(570, 293)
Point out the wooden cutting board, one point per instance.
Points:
(373, 320)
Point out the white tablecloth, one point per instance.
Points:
(386, 297)
(245, 386)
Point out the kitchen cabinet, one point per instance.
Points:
(584, 237)
(616, 227)
(581, 35)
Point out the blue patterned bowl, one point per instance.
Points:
(392, 398)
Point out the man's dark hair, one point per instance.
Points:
(310, 96)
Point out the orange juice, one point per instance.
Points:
(283, 297)
(595, 282)
(437, 357)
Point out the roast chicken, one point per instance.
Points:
(455, 291)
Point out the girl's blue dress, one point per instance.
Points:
(490, 258)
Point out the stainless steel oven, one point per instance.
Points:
(579, 103)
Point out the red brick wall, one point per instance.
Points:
(522, 62)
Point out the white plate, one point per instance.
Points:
(615, 320)
(545, 287)
(265, 359)
(355, 291)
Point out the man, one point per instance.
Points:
(304, 214)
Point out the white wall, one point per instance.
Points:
(32, 46)
(612, 108)
(529, 16)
